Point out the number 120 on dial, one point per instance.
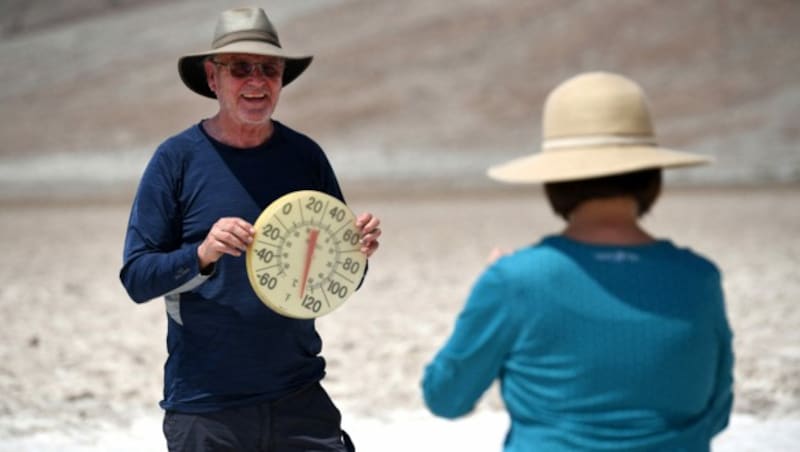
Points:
(305, 259)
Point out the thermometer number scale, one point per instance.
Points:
(305, 259)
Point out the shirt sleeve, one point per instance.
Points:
(155, 261)
(475, 353)
(722, 401)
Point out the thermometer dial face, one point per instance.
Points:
(305, 259)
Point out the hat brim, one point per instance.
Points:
(193, 74)
(585, 163)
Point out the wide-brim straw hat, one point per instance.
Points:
(240, 30)
(594, 124)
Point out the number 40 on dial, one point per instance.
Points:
(305, 260)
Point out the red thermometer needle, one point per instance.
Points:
(312, 243)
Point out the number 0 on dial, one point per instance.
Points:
(305, 259)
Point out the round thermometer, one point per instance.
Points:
(305, 259)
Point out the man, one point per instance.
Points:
(239, 377)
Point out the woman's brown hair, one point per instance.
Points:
(644, 186)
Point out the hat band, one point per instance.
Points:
(253, 35)
(598, 140)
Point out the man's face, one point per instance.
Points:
(247, 86)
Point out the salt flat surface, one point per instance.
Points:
(403, 432)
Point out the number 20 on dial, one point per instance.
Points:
(305, 259)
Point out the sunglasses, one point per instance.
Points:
(243, 69)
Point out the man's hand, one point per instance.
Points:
(228, 235)
(368, 224)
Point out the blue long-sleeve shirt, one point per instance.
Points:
(595, 348)
(225, 347)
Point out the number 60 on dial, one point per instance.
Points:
(305, 259)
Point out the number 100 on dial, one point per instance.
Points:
(305, 259)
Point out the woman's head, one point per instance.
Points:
(643, 186)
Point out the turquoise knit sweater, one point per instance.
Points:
(595, 348)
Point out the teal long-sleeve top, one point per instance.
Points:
(595, 348)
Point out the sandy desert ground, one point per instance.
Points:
(80, 364)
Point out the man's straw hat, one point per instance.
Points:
(594, 124)
(241, 30)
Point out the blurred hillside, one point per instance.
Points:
(413, 89)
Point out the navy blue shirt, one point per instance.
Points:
(225, 347)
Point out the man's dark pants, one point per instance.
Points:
(304, 421)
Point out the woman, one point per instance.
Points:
(602, 337)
